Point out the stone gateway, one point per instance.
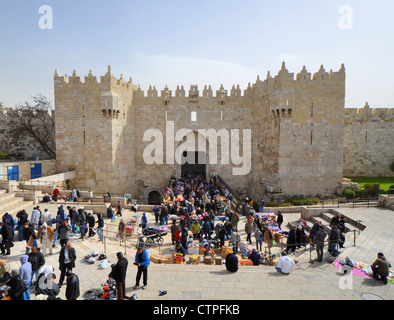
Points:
(298, 130)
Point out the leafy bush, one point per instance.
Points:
(302, 201)
(371, 190)
(285, 204)
(271, 204)
(4, 155)
(349, 194)
(359, 193)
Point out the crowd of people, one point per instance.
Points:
(206, 211)
(42, 231)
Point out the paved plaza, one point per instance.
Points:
(308, 281)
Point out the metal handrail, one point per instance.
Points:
(311, 244)
(133, 242)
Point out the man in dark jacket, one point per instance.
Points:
(91, 223)
(185, 233)
(64, 232)
(255, 257)
(342, 230)
(17, 286)
(334, 240)
(72, 289)
(119, 275)
(82, 222)
(37, 260)
(279, 219)
(163, 215)
(319, 238)
(181, 250)
(110, 213)
(67, 258)
(74, 216)
(381, 268)
(100, 225)
(221, 236)
(29, 234)
(22, 219)
(8, 219)
(7, 238)
(314, 230)
(291, 240)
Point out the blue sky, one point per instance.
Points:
(173, 42)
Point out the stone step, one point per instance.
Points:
(349, 222)
(13, 204)
(10, 203)
(24, 205)
(6, 197)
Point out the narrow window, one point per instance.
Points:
(312, 111)
(194, 116)
(84, 138)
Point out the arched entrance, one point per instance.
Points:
(198, 167)
(195, 157)
(154, 198)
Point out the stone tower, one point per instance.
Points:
(91, 121)
(299, 127)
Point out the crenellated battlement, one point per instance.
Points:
(369, 112)
(235, 91)
(90, 80)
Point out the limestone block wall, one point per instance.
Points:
(155, 112)
(91, 121)
(368, 142)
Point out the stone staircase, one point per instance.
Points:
(11, 203)
(353, 229)
(325, 219)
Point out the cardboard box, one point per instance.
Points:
(208, 260)
(194, 259)
(272, 262)
(218, 260)
(217, 251)
(128, 232)
(155, 258)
